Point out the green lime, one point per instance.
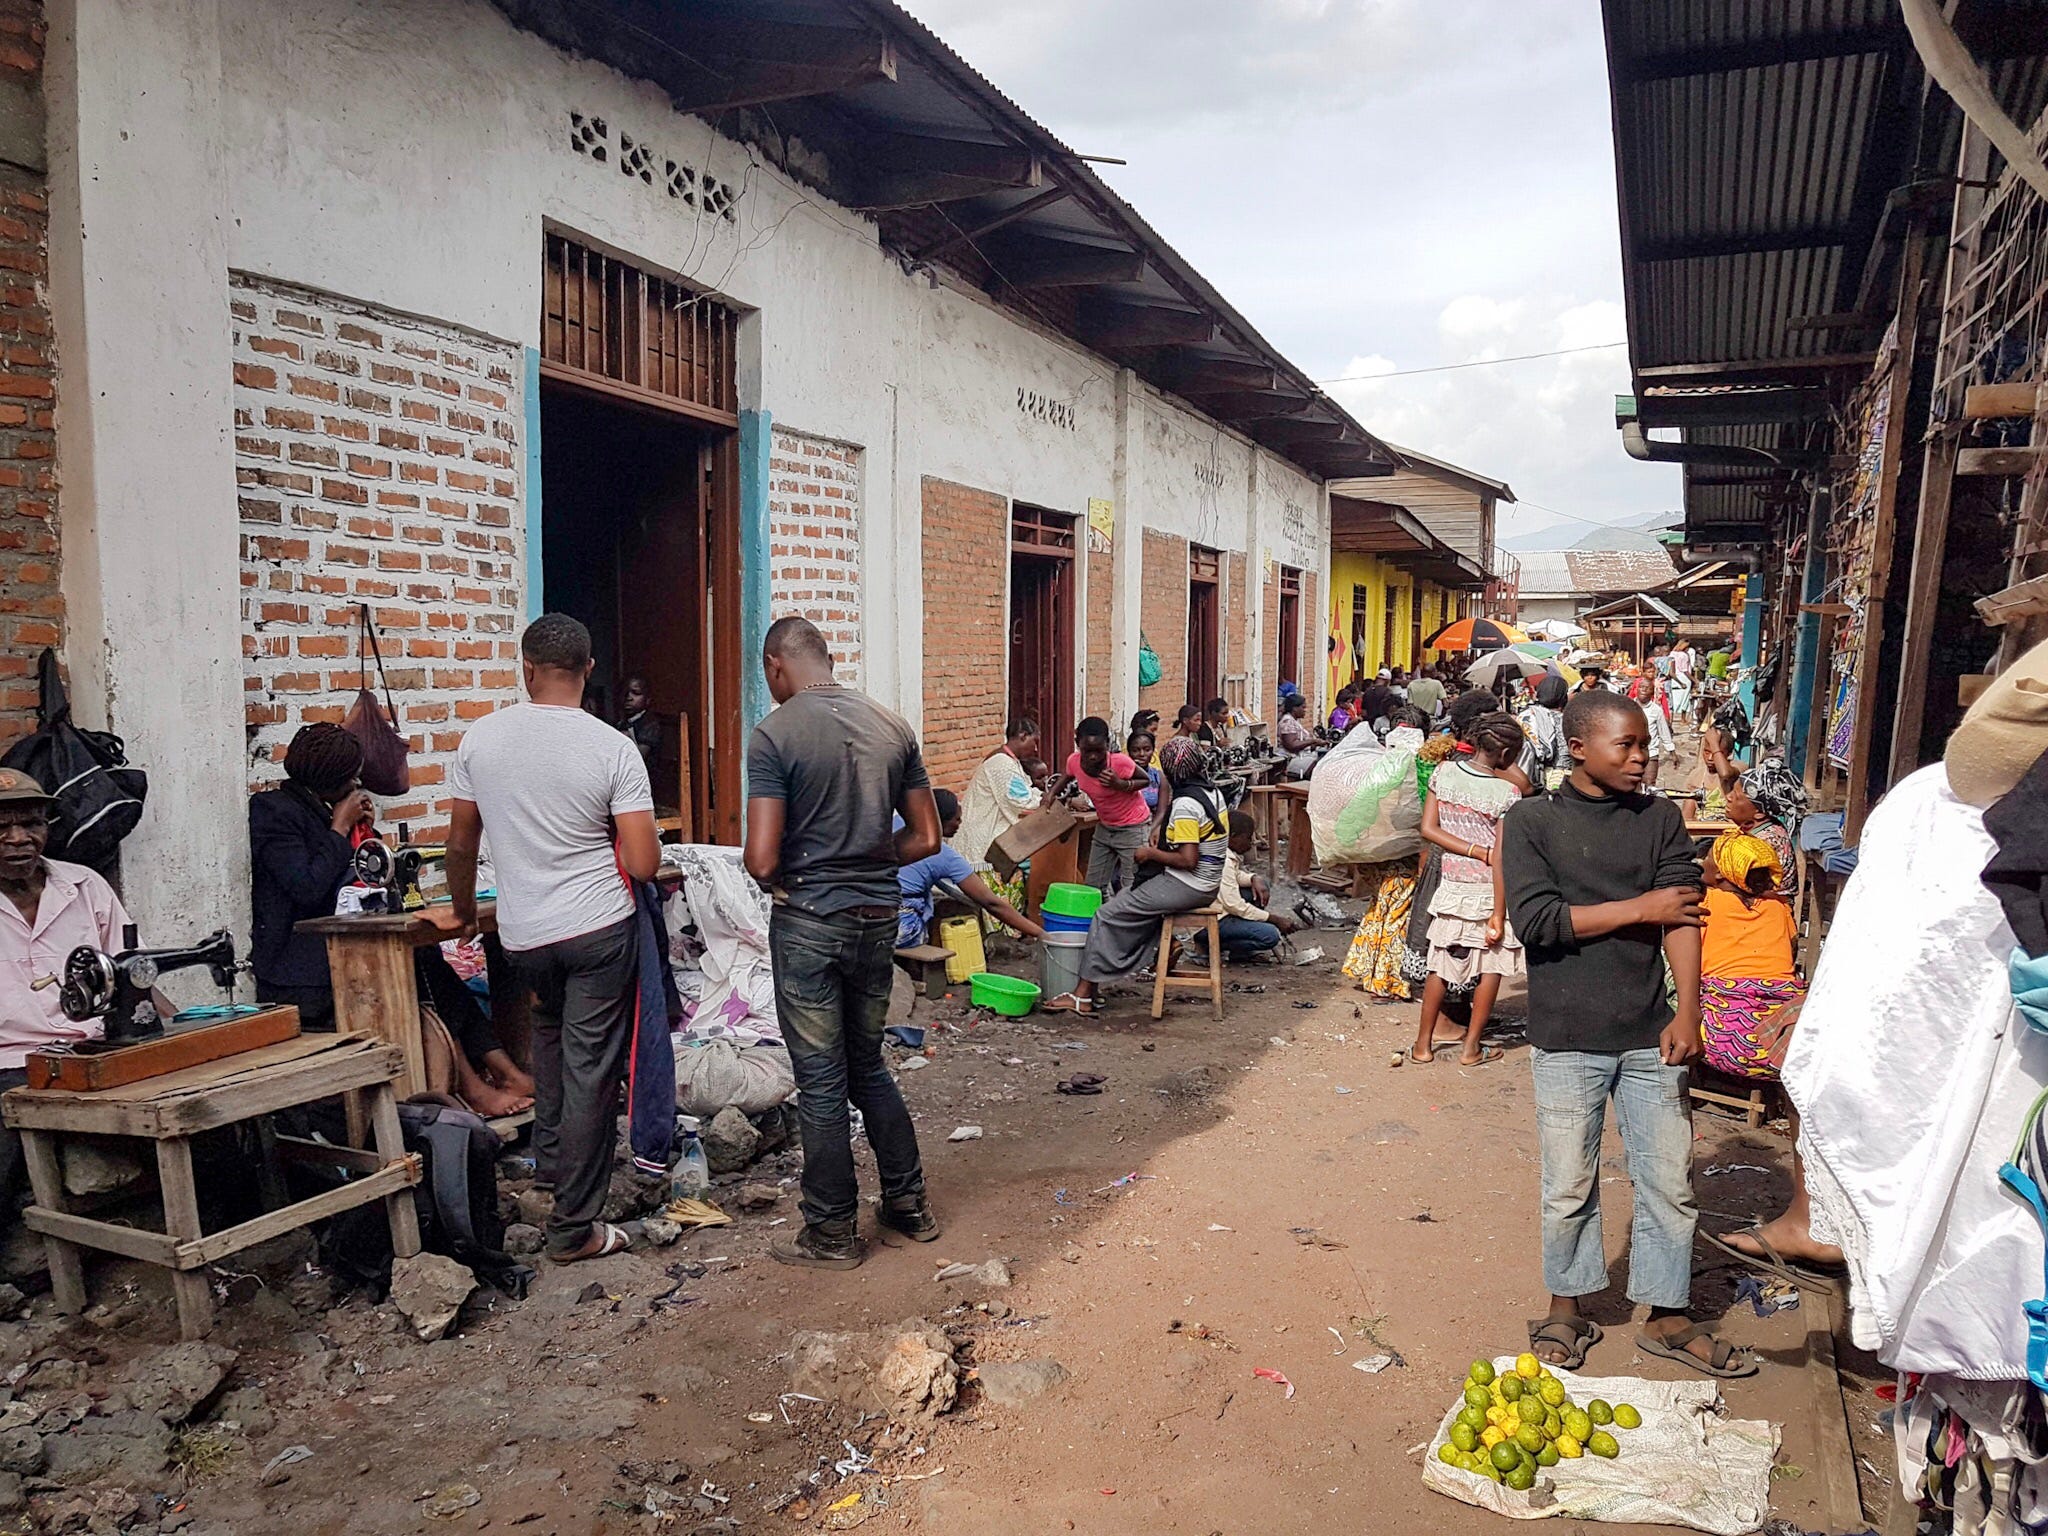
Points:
(1598, 1411)
(1578, 1425)
(1627, 1417)
(1505, 1455)
(1477, 1397)
(1481, 1372)
(1522, 1478)
(1487, 1470)
(1551, 1391)
(1475, 1417)
(1529, 1438)
(1603, 1444)
(1512, 1387)
(1463, 1437)
(1447, 1453)
(1547, 1457)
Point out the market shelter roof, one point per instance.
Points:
(1766, 157)
(1398, 536)
(1592, 573)
(862, 102)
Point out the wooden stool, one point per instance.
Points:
(1754, 1109)
(926, 965)
(1162, 977)
(172, 1109)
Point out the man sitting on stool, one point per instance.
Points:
(1247, 930)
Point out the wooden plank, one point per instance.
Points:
(181, 1223)
(2023, 600)
(106, 1236)
(389, 1182)
(1923, 598)
(376, 993)
(46, 1178)
(86, 1070)
(686, 806)
(1856, 801)
(405, 1221)
(1766, 366)
(1992, 402)
(413, 925)
(1839, 1497)
(298, 1149)
(2000, 461)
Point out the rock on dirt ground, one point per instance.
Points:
(905, 1371)
(429, 1289)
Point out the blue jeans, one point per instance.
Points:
(1241, 936)
(832, 981)
(1655, 1120)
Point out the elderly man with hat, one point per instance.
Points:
(51, 908)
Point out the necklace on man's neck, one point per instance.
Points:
(830, 682)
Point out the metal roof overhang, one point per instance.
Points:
(1638, 605)
(860, 101)
(1764, 158)
(1400, 537)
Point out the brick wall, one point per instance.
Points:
(378, 461)
(1101, 635)
(966, 575)
(31, 601)
(1163, 617)
(814, 534)
(1237, 627)
(1269, 639)
(1315, 629)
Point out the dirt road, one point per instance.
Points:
(1296, 1197)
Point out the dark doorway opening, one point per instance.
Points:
(1415, 626)
(1289, 659)
(640, 542)
(1042, 626)
(1361, 611)
(1205, 617)
(1394, 606)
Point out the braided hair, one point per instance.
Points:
(322, 759)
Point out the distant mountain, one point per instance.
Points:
(1631, 533)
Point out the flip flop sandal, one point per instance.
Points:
(1081, 1084)
(1066, 1002)
(1806, 1276)
(1672, 1347)
(613, 1240)
(1436, 1048)
(1573, 1335)
(1488, 1055)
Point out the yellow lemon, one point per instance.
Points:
(1492, 1437)
(1569, 1448)
(1494, 1415)
(1577, 1425)
(1527, 1366)
(1447, 1454)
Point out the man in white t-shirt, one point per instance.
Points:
(566, 801)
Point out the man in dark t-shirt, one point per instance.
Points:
(827, 772)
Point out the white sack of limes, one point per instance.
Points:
(1682, 1464)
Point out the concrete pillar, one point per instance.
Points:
(139, 292)
(1128, 542)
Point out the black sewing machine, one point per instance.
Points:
(117, 988)
(395, 870)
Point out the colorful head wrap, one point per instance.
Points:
(1737, 854)
(1185, 760)
(1777, 791)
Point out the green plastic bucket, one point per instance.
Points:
(1006, 994)
(1069, 900)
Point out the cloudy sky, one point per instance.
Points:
(1379, 186)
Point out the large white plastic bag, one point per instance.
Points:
(1363, 806)
(1686, 1465)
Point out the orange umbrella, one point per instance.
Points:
(1475, 635)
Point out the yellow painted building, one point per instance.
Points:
(1393, 584)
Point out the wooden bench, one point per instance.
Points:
(926, 964)
(171, 1110)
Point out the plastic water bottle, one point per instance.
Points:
(690, 1179)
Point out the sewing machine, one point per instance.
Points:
(395, 870)
(120, 988)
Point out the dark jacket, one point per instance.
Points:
(298, 862)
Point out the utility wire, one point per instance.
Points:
(1478, 362)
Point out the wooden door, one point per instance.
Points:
(1042, 648)
(1289, 658)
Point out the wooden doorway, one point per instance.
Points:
(1205, 624)
(1361, 614)
(1041, 646)
(1415, 625)
(1289, 658)
(640, 512)
(1389, 629)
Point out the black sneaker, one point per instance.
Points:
(819, 1250)
(913, 1218)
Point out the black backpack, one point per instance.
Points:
(98, 796)
(457, 1202)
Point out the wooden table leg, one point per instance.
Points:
(1301, 843)
(270, 1170)
(405, 1221)
(181, 1221)
(375, 993)
(46, 1178)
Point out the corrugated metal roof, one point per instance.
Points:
(1756, 146)
(1591, 572)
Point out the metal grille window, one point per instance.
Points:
(645, 336)
(1037, 530)
(1204, 563)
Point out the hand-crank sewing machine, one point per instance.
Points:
(119, 988)
(394, 870)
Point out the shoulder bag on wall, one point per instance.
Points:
(1149, 670)
(98, 796)
(385, 771)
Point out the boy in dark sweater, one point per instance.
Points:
(1603, 887)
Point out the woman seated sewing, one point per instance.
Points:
(302, 842)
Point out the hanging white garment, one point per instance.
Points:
(1912, 1080)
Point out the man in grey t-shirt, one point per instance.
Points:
(826, 773)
